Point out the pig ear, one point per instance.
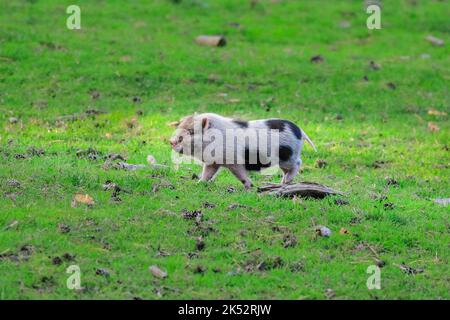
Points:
(205, 123)
(174, 124)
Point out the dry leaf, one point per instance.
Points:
(433, 127)
(173, 123)
(125, 58)
(435, 112)
(82, 198)
(12, 224)
(151, 159)
(344, 231)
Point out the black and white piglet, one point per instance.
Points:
(240, 146)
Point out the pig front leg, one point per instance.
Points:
(209, 171)
(241, 173)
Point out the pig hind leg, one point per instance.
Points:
(290, 171)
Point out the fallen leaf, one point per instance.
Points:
(125, 59)
(12, 224)
(374, 66)
(82, 198)
(433, 127)
(344, 231)
(435, 112)
(151, 159)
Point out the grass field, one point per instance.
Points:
(382, 132)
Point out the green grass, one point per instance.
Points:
(145, 49)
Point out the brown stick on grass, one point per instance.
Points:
(302, 189)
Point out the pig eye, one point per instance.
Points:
(180, 138)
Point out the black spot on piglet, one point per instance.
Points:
(285, 153)
(240, 123)
(250, 164)
(280, 125)
(275, 124)
(295, 130)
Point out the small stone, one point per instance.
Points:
(157, 272)
(323, 231)
(435, 41)
(444, 201)
(13, 120)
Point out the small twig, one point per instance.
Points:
(373, 251)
